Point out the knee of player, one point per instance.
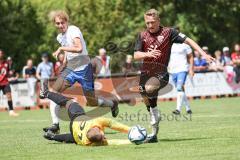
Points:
(151, 88)
(180, 88)
(9, 96)
(92, 102)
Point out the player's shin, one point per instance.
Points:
(185, 101)
(53, 110)
(154, 120)
(57, 98)
(180, 98)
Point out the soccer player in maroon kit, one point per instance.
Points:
(4, 84)
(153, 48)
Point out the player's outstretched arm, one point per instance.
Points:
(116, 142)
(107, 122)
(195, 46)
(191, 64)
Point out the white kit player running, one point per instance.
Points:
(181, 63)
(76, 68)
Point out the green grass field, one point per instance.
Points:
(212, 133)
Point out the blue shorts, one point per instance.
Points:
(83, 77)
(179, 79)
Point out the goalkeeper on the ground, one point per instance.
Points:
(84, 129)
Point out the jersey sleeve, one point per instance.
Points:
(118, 142)
(74, 32)
(106, 122)
(188, 49)
(138, 43)
(177, 37)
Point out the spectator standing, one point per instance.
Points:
(105, 63)
(45, 68)
(29, 73)
(236, 62)
(128, 65)
(12, 75)
(228, 65)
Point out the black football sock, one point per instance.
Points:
(57, 98)
(10, 105)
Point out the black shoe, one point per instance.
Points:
(176, 112)
(49, 135)
(54, 129)
(151, 139)
(115, 109)
(43, 89)
(189, 112)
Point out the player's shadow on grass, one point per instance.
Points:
(180, 139)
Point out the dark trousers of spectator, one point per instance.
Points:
(237, 71)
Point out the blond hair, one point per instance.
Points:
(153, 13)
(60, 14)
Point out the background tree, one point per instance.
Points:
(19, 30)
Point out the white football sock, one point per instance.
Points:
(180, 96)
(155, 119)
(53, 110)
(185, 100)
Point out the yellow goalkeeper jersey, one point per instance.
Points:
(80, 129)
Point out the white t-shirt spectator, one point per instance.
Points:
(178, 59)
(45, 69)
(66, 39)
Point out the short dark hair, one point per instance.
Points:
(45, 54)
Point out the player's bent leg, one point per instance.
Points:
(54, 128)
(90, 97)
(92, 100)
(60, 85)
(152, 85)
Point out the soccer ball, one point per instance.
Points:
(137, 134)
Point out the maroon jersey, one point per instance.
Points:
(162, 40)
(4, 68)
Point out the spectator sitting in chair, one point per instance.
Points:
(200, 64)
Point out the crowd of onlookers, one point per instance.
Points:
(226, 61)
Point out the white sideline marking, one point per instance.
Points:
(213, 116)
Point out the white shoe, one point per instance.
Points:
(13, 114)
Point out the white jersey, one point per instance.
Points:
(66, 40)
(178, 59)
